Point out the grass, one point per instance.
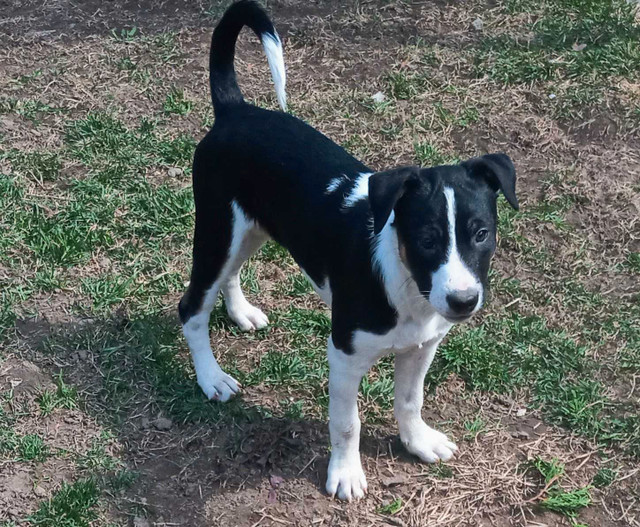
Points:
(31, 109)
(474, 428)
(568, 503)
(72, 506)
(404, 86)
(506, 353)
(177, 103)
(604, 477)
(29, 447)
(392, 508)
(607, 30)
(428, 154)
(577, 49)
(64, 396)
(41, 166)
(557, 499)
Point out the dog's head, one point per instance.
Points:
(445, 218)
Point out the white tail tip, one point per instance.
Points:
(273, 49)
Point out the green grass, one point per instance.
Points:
(296, 285)
(113, 151)
(122, 480)
(107, 291)
(568, 503)
(557, 499)
(633, 262)
(31, 109)
(177, 103)
(462, 118)
(40, 166)
(97, 460)
(549, 470)
(7, 315)
(32, 448)
(404, 86)
(474, 428)
(428, 155)
(29, 447)
(272, 252)
(510, 352)
(64, 396)
(607, 27)
(124, 34)
(392, 508)
(604, 477)
(74, 505)
(142, 356)
(440, 471)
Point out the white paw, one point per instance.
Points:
(345, 478)
(218, 386)
(428, 444)
(247, 317)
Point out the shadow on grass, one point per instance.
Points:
(134, 377)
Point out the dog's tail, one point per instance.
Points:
(222, 76)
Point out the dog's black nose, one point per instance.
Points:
(463, 302)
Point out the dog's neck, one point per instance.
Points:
(401, 289)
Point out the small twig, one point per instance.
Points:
(307, 465)
(544, 490)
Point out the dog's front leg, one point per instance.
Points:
(345, 477)
(419, 438)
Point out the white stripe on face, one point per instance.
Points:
(453, 275)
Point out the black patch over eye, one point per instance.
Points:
(481, 235)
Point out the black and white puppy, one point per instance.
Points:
(400, 255)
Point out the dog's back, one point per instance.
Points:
(282, 172)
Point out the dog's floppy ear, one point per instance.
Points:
(385, 189)
(498, 171)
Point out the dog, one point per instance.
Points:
(400, 256)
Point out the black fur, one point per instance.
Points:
(225, 92)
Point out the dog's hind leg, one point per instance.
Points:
(245, 315)
(220, 247)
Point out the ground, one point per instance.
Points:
(101, 421)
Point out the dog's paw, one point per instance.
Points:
(218, 386)
(345, 478)
(428, 444)
(247, 317)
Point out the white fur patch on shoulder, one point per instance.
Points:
(359, 191)
(335, 183)
(273, 49)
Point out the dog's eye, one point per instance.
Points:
(426, 242)
(428, 239)
(481, 235)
